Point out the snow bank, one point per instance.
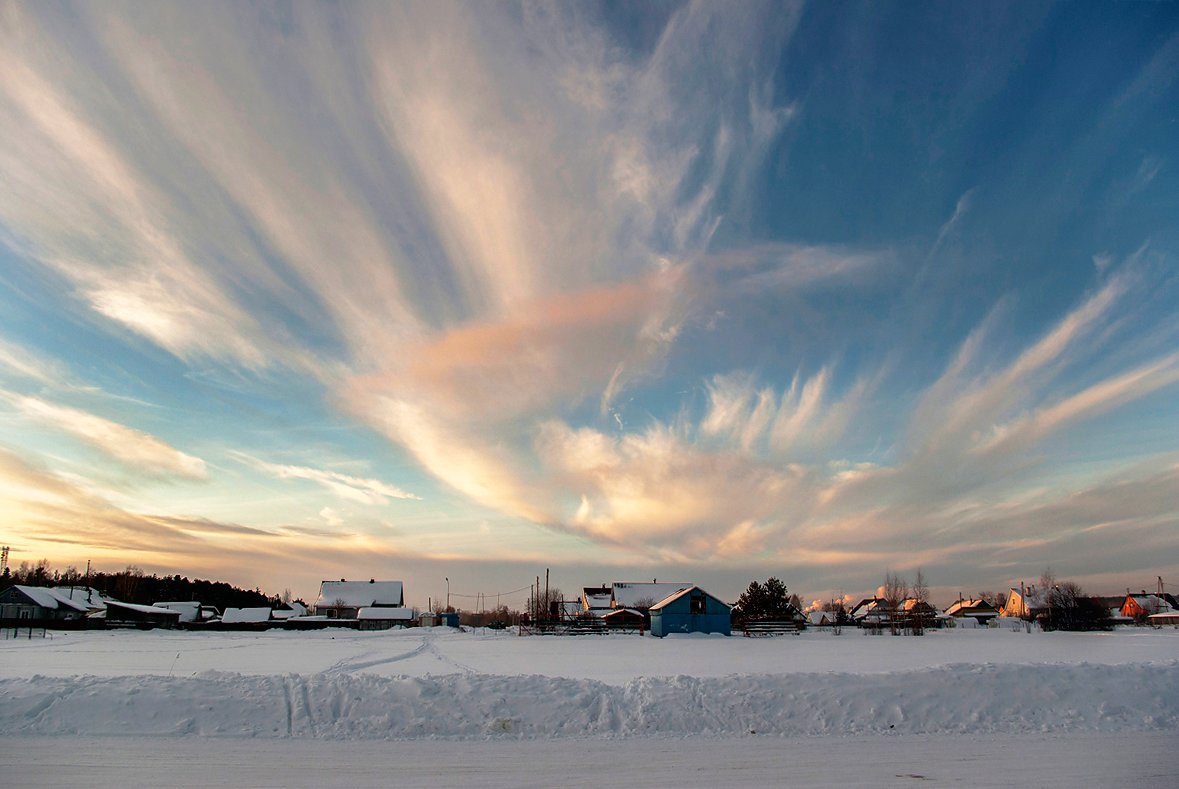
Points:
(952, 700)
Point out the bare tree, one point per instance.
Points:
(895, 590)
(921, 609)
(541, 605)
(1047, 580)
(127, 584)
(838, 612)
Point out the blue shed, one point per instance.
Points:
(690, 610)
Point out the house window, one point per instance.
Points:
(697, 603)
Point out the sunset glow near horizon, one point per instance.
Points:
(703, 292)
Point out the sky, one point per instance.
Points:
(452, 293)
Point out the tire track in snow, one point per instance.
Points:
(433, 650)
(349, 666)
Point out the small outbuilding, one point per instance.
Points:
(377, 618)
(256, 615)
(691, 610)
(141, 616)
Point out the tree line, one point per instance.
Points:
(132, 585)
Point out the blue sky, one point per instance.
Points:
(694, 291)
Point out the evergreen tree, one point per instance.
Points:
(770, 600)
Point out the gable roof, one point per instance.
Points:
(50, 598)
(633, 595)
(671, 598)
(866, 606)
(359, 594)
(596, 597)
(87, 596)
(1032, 600)
(973, 607)
(1149, 601)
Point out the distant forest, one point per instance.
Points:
(134, 586)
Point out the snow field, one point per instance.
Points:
(951, 700)
(423, 684)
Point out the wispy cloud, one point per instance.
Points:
(359, 489)
(17, 360)
(136, 449)
(571, 276)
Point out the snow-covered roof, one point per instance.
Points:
(865, 606)
(385, 613)
(818, 617)
(51, 598)
(358, 594)
(974, 607)
(640, 595)
(1164, 618)
(1151, 602)
(244, 615)
(86, 595)
(194, 605)
(1033, 598)
(143, 609)
(596, 597)
(676, 595)
(620, 611)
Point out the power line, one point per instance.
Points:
(488, 594)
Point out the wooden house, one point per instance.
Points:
(38, 604)
(1026, 602)
(344, 599)
(977, 609)
(1142, 605)
(384, 618)
(690, 610)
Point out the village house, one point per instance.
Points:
(977, 609)
(291, 610)
(39, 604)
(343, 599)
(597, 598)
(690, 610)
(1026, 602)
(820, 618)
(1142, 605)
(871, 611)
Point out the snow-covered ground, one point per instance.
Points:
(980, 707)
